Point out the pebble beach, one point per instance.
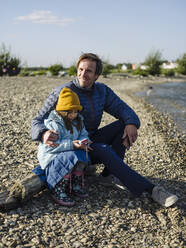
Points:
(109, 217)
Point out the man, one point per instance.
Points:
(109, 142)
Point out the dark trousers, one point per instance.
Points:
(108, 149)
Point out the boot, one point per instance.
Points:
(90, 170)
(61, 191)
(78, 184)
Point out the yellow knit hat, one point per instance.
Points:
(68, 100)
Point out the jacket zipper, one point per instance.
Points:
(91, 109)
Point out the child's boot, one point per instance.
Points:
(78, 184)
(61, 192)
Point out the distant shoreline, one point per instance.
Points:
(132, 86)
(135, 84)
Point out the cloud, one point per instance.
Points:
(45, 17)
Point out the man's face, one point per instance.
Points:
(86, 73)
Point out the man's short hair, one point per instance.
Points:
(92, 57)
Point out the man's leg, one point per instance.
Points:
(103, 153)
(111, 135)
(110, 151)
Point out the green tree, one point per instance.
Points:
(119, 66)
(106, 70)
(182, 64)
(168, 72)
(72, 71)
(153, 61)
(129, 66)
(140, 72)
(9, 64)
(55, 69)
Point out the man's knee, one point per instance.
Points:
(101, 151)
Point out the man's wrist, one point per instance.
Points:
(42, 133)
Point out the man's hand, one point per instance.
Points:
(130, 135)
(49, 137)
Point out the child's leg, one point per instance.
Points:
(78, 187)
(80, 166)
(60, 192)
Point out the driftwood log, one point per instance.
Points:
(23, 190)
(20, 192)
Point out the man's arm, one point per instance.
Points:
(37, 124)
(119, 109)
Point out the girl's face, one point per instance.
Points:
(72, 114)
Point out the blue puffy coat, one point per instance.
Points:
(94, 101)
(55, 122)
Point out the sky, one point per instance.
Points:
(45, 32)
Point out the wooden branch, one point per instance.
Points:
(20, 191)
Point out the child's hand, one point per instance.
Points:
(78, 145)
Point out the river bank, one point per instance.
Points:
(110, 217)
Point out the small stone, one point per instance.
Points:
(35, 241)
(76, 244)
(84, 240)
(109, 202)
(133, 229)
(130, 204)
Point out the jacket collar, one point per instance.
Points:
(55, 116)
(76, 83)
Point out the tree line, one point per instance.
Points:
(11, 65)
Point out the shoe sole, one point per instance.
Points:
(62, 203)
(111, 184)
(79, 195)
(171, 201)
(119, 186)
(106, 184)
(90, 170)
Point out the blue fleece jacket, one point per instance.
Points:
(95, 101)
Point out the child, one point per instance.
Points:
(64, 164)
